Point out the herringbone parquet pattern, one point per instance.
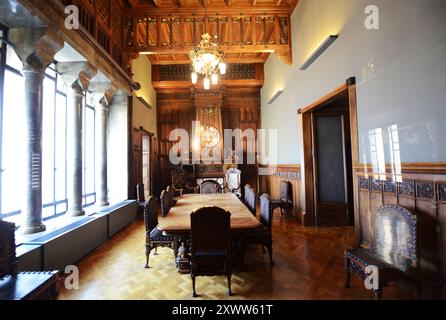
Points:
(308, 265)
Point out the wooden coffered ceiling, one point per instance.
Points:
(246, 30)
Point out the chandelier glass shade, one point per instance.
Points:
(207, 61)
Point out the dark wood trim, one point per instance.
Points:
(349, 89)
(130, 188)
(327, 99)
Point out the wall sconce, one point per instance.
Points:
(145, 103)
(324, 46)
(275, 96)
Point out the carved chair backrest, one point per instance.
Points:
(151, 214)
(8, 261)
(285, 191)
(179, 178)
(395, 239)
(210, 187)
(233, 179)
(140, 197)
(165, 203)
(210, 230)
(250, 198)
(170, 192)
(266, 212)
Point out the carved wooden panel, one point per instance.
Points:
(170, 32)
(103, 11)
(265, 30)
(284, 30)
(418, 193)
(177, 109)
(116, 25)
(219, 29)
(193, 29)
(242, 30)
(181, 72)
(147, 33)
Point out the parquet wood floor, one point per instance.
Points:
(308, 265)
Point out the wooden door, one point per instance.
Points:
(332, 166)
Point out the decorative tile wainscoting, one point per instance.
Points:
(270, 183)
(421, 188)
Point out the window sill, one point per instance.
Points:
(57, 223)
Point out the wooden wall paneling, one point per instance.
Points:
(271, 184)
(422, 193)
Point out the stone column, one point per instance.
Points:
(103, 94)
(77, 75)
(36, 48)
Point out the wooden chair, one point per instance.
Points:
(165, 203)
(170, 192)
(154, 237)
(394, 251)
(285, 202)
(210, 187)
(16, 285)
(179, 183)
(140, 198)
(234, 181)
(210, 244)
(250, 199)
(263, 234)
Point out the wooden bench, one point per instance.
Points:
(394, 251)
(22, 285)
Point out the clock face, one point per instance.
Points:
(210, 137)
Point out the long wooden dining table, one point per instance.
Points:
(178, 219)
(177, 222)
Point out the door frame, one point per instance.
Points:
(349, 88)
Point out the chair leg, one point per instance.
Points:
(148, 249)
(270, 250)
(378, 294)
(229, 284)
(156, 251)
(194, 293)
(347, 273)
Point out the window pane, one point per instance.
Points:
(61, 208)
(12, 59)
(61, 150)
(61, 86)
(49, 88)
(13, 138)
(48, 212)
(89, 150)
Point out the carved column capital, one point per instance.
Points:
(102, 93)
(77, 75)
(36, 47)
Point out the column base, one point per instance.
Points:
(32, 229)
(76, 213)
(102, 205)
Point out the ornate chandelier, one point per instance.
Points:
(207, 60)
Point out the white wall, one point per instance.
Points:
(400, 70)
(142, 116)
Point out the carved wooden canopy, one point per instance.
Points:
(247, 30)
